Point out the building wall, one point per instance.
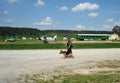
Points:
(93, 36)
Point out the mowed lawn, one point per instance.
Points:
(37, 44)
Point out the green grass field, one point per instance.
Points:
(58, 46)
(40, 45)
(37, 44)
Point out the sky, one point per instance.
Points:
(61, 14)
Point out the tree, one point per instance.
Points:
(116, 30)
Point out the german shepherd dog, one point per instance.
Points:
(65, 55)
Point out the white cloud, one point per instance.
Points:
(9, 21)
(12, 1)
(79, 26)
(47, 21)
(85, 6)
(110, 20)
(93, 14)
(117, 23)
(40, 3)
(5, 12)
(64, 8)
(106, 26)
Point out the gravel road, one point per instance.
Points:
(19, 62)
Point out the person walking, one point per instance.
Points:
(69, 47)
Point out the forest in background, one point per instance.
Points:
(33, 32)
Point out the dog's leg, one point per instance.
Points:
(71, 55)
(64, 55)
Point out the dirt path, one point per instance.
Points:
(16, 62)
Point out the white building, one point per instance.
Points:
(24, 38)
(114, 37)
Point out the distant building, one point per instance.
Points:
(24, 38)
(65, 38)
(30, 38)
(92, 36)
(83, 37)
(114, 37)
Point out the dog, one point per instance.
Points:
(65, 55)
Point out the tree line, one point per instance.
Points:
(10, 31)
(33, 32)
